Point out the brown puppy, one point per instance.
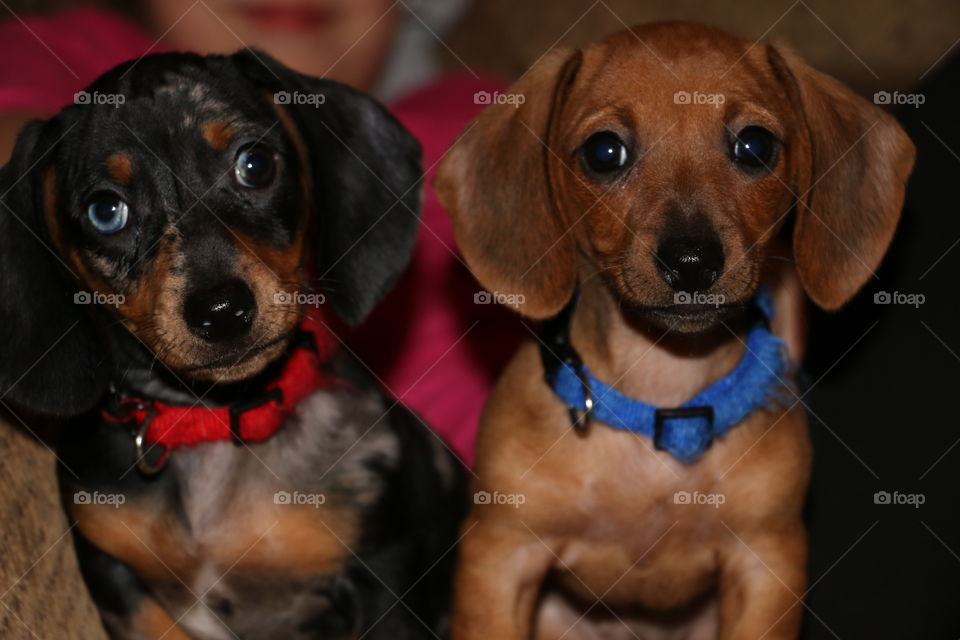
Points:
(664, 160)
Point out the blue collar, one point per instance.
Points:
(685, 431)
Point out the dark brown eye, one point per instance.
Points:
(255, 167)
(605, 153)
(754, 147)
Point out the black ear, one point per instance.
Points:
(49, 359)
(366, 176)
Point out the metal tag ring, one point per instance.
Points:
(139, 440)
(582, 419)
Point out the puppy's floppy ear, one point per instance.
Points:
(856, 160)
(50, 361)
(365, 172)
(495, 183)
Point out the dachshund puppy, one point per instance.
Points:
(231, 472)
(663, 196)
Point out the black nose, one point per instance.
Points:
(688, 264)
(222, 313)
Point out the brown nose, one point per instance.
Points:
(688, 264)
(222, 313)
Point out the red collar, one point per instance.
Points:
(257, 419)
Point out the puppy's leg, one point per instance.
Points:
(128, 611)
(501, 570)
(149, 621)
(762, 580)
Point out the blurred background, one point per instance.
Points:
(869, 44)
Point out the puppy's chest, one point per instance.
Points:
(221, 516)
(668, 522)
(621, 479)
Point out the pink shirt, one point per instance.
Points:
(429, 344)
(436, 349)
(44, 61)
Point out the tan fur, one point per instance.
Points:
(217, 134)
(258, 537)
(150, 304)
(599, 518)
(154, 623)
(120, 168)
(268, 270)
(50, 206)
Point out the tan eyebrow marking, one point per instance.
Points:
(217, 134)
(120, 168)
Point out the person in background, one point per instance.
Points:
(428, 343)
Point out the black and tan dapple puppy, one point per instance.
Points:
(231, 471)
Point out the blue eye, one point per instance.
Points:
(754, 147)
(604, 152)
(254, 167)
(108, 213)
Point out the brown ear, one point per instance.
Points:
(857, 159)
(494, 182)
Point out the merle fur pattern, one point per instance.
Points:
(349, 443)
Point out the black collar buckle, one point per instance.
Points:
(662, 415)
(556, 350)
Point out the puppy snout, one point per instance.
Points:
(690, 264)
(224, 312)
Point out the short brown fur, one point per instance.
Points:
(600, 518)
